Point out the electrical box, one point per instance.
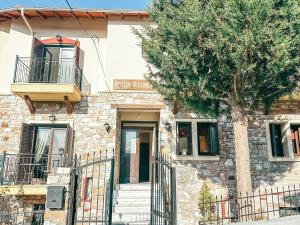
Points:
(55, 197)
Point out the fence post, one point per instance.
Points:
(2, 168)
(16, 66)
(111, 190)
(173, 194)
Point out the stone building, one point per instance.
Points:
(72, 83)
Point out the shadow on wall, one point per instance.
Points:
(60, 107)
(266, 173)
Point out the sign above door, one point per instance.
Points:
(134, 85)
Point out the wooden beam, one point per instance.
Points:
(69, 106)
(57, 15)
(41, 14)
(105, 16)
(29, 104)
(122, 15)
(5, 17)
(175, 107)
(11, 16)
(89, 16)
(73, 15)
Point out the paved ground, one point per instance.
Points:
(289, 220)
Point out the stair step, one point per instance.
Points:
(120, 209)
(130, 201)
(133, 194)
(135, 187)
(131, 217)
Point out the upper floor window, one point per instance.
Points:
(54, 62)
(196, 138)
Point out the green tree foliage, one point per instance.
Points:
(243, 53)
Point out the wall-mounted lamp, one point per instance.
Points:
(167, 126)
(107, 127)
(58, 38)
(52, 118)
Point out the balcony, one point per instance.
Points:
(42, 79)
(26, 174)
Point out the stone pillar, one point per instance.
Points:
(60, 176)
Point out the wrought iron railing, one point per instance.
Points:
(163, 191)
(29, 168)
(256, 206)
(92, 192)
(43, 70)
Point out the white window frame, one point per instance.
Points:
(288, 151)
(195, 155)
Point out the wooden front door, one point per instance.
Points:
(133, 144)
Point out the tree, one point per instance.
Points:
(240, 53)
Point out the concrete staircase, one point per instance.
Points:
(131, 204)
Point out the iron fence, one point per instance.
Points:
(163, 191)
(43, 70)
(256, 206)
(29, 168)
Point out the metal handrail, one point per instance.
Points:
(26, 168)
(43, 70)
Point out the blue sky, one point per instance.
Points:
(105, 4)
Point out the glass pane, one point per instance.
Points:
(203, 138)
(59, 141)
(184, 139)
(130, 145)
(58, 146)
(66, 65)
(41, 151)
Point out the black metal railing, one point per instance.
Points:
(163, 191)
(43, 70)
(256, 206)
(29, 168)
(93, 188)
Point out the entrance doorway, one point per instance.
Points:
(137, 147)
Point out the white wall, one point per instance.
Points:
(118, 48)
(124, 57)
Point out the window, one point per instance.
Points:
(295, 136)
(184, 131)
(284, 139)
(276, 140)
(43, 147)
(207, 134)
(197, 138)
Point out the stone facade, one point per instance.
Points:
(92, 112)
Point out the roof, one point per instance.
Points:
(60, 13)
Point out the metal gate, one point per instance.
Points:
(163, 191)
(93, 181)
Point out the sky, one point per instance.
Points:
(104, 4)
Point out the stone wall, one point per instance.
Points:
(88, 120)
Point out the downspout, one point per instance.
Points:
(29, 27)
(26, 21)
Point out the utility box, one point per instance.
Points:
(55, 197)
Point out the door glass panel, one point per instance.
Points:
(41, 151)
(66, 65)
(58, 146)
(128, 148)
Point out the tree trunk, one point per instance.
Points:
(242, 152)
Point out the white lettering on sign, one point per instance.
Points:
(139, 85)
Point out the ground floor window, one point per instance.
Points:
(284, 139)
(196, 138)
(42, 147)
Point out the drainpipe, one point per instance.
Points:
(29, 27)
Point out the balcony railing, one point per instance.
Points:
(43, 70)
(29, 168)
